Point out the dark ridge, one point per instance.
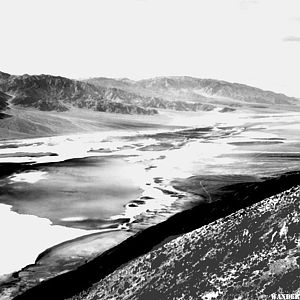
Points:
(4, 75)
(235, 197)
(4, 116)
(3, 101)
(7, 169)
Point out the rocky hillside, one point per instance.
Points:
(215, 88)
(198, 90)
(3, 100)
(250, 254)
(47, 92)
(120, 91)
(4, 77)
(3, 104)
(3, 97)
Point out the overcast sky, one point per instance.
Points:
(256, 42)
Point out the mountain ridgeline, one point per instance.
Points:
(208, 88)
(46, 92)
(54, 93)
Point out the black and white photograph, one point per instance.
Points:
(149, 149)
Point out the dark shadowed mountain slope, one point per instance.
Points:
(3, 100)
(4, 77)
(47, 92)
(3, 104)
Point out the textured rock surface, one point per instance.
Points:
(3, 100)
(48, 93)
(248, 255)
(196, 89)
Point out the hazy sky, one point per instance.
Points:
(256, 42)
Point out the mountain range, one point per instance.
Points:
(55, 93)
(189, 89)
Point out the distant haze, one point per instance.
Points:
(256, 42)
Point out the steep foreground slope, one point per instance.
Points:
(250, 254)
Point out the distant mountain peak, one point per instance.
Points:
(196, 88)
(4, 76)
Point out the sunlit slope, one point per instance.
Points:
(199, 90)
